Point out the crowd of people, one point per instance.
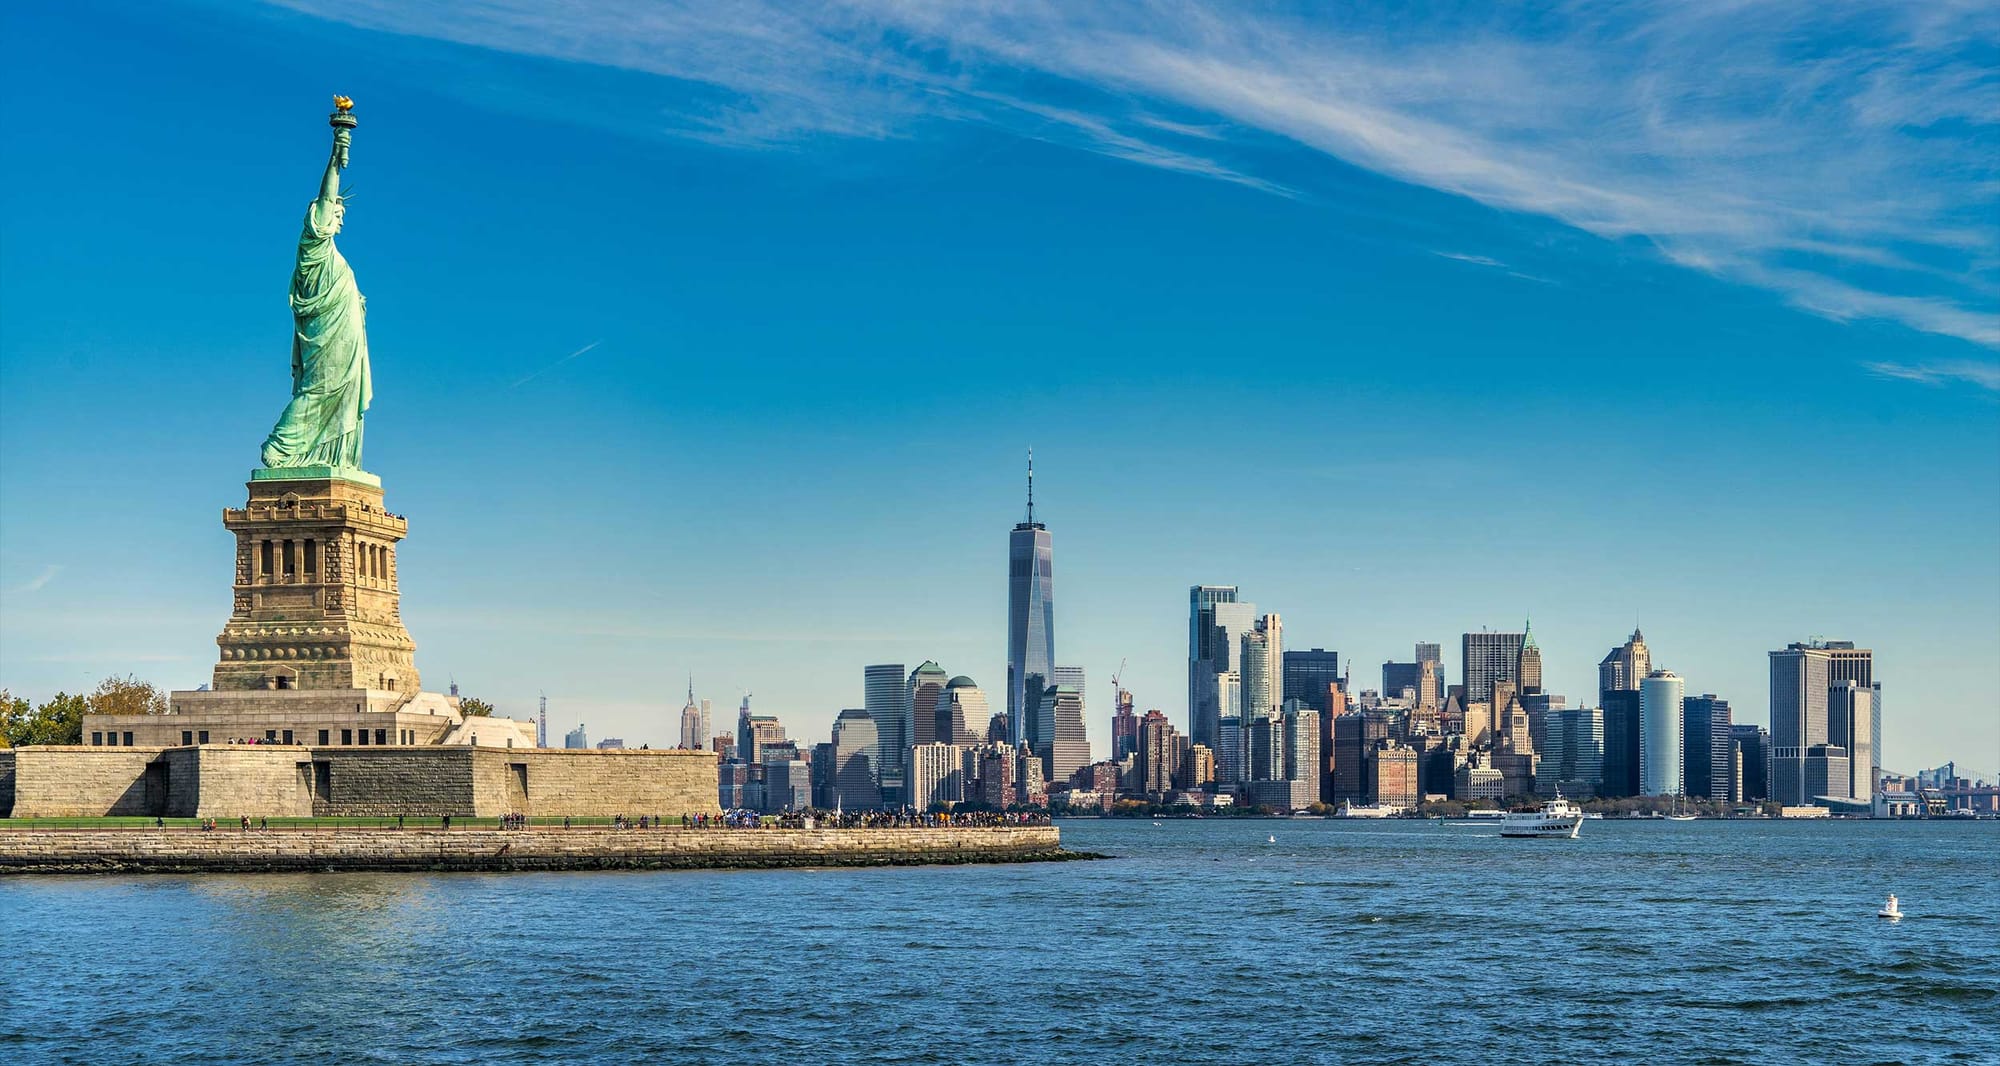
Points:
(818, 819)
(806, 819)
(810, 819)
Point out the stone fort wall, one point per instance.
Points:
(81, 782)
(272, 781)
(180, 850)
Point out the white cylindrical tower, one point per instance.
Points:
(1660, 696)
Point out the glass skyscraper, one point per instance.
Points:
(1621, 743)
(1572, 752)
(1031, 621)
(1489, 657)
(885, 687)
(855, 784)
(1752, 744)
(920, 710)
(1708, 760)
(1308, 675)
(1799, 685)
(1063, 748)
(1216, 624)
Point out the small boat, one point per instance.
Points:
(1678, 815)
(1890, 910)
(1272, 839)
(1557, 818)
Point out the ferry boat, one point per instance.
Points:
(1557, 818)
(1349, 809)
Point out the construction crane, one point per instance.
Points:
(1117, 690)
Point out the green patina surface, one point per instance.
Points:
(316, 473)
(331, 387)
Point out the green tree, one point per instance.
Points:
(474, 707)
(12, 709)
(57, 721)
(127, 695)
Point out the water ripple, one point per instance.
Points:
(1386, 943)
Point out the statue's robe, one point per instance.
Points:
(330, 382)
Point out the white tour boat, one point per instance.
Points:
(1557, 818)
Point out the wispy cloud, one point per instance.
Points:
(555, 364)
(41, 580)
(1475, 260)
(1840, 154)
(1492, 264)
(1983, 375)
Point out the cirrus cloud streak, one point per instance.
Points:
(1839, 154)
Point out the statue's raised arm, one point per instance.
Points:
(331, 386)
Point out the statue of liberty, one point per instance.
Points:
(321, 425)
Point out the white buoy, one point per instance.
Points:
(1890, 910)
(1273, 839)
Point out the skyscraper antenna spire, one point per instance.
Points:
(1031, 484)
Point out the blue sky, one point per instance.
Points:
(1407, 322)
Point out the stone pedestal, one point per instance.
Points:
(317, 604)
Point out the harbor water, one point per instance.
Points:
(1199, 941)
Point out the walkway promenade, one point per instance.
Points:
(183, 849)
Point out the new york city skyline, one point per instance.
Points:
(769, 427)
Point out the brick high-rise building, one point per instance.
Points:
(1395, 773)
(1355, 735)
(1158, 755)
(1197, 769)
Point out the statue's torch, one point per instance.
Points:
(342, 121)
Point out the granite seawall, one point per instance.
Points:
(180, 850)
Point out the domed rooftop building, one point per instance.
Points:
(962, 712)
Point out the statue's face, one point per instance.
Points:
(339, 216)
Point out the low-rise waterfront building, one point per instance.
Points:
(1479, 782)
